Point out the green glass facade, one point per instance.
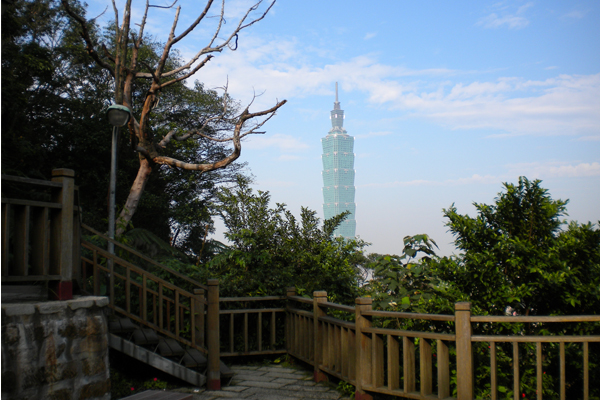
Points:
(338, 173)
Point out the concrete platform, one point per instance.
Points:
(270, 383)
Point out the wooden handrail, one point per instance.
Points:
(145, 258)
(534, 318)
(409, 315)
(31, 181)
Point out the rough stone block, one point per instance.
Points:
(51, 307)
(18, 309)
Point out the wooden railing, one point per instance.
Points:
(186, 311)
(250, 328)
(416, 364)
(39, 229)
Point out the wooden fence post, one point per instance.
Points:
(364, 360)
(61, 249)
(464, 354)
(199, 317)
(214, 356)
(291, 291)
(318, 312)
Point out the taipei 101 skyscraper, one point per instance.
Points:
(338, 172)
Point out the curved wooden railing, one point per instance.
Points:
(416, 363)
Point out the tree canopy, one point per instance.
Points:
(272, 249)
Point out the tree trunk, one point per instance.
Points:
(135, 194)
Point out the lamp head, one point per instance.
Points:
(118, 115)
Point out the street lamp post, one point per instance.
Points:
(118, 116)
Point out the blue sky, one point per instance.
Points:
(446, 100)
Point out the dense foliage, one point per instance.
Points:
(272, 249)
(515, 260)
(54, 99)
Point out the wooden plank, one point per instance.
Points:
(409, 315)
(40, 242)
(160, 305)
(537, 318)
(231, 332)
(443, 369)
(563, 387)
(408, 362)
(259, 331)
(144, 302)
(246, 332)
(393, 362)
(493, 371)
(5, 237)
(128, 290)
(273, 330)
(539, 372)
(32, 203)
(516, 378)
(177, 311)
(586, 371)
(534, 339)
(21, 255)
(426, 369)
(412, 334)
(18, 293)
(344, 351)
(30, 181)
(378, 378)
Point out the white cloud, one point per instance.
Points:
(371, 134)
(370, 35)
(289, 157)
(555, 170)
(512, 21)
(495, 21)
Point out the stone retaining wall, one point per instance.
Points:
(55, 350)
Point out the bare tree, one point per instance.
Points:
(125, 67)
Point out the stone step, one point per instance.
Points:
(121, 325)
(170, 348)
(145, 337)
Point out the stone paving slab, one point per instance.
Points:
(270, 383)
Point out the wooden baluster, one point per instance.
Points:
(144, 301)
(539, 372)
(378, 378)
(160, 305)
(231, 332)
(259, 333)
(245, 332)
(586, 371)
(40, 242)
(516, 378)
(177, 306)
(364, 355)
(198, 317)
(408, 364)
(5, 237)
(273, 331)
(128, 290)
(62, 237)
(214, 355)
(393, 362)
(21, 256)
(563, 389)
(443, 369)
(318, 334)
(425, 367)
(493, 371)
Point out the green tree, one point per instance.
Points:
(140, 84)
(54, 99)
(272, 249)
(514, 258)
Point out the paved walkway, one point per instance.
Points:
(270, 383)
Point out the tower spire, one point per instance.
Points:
(336, 104)
(337, 114)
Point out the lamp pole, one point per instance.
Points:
(118, 116)
(112, 188)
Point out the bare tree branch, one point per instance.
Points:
(85, 34)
